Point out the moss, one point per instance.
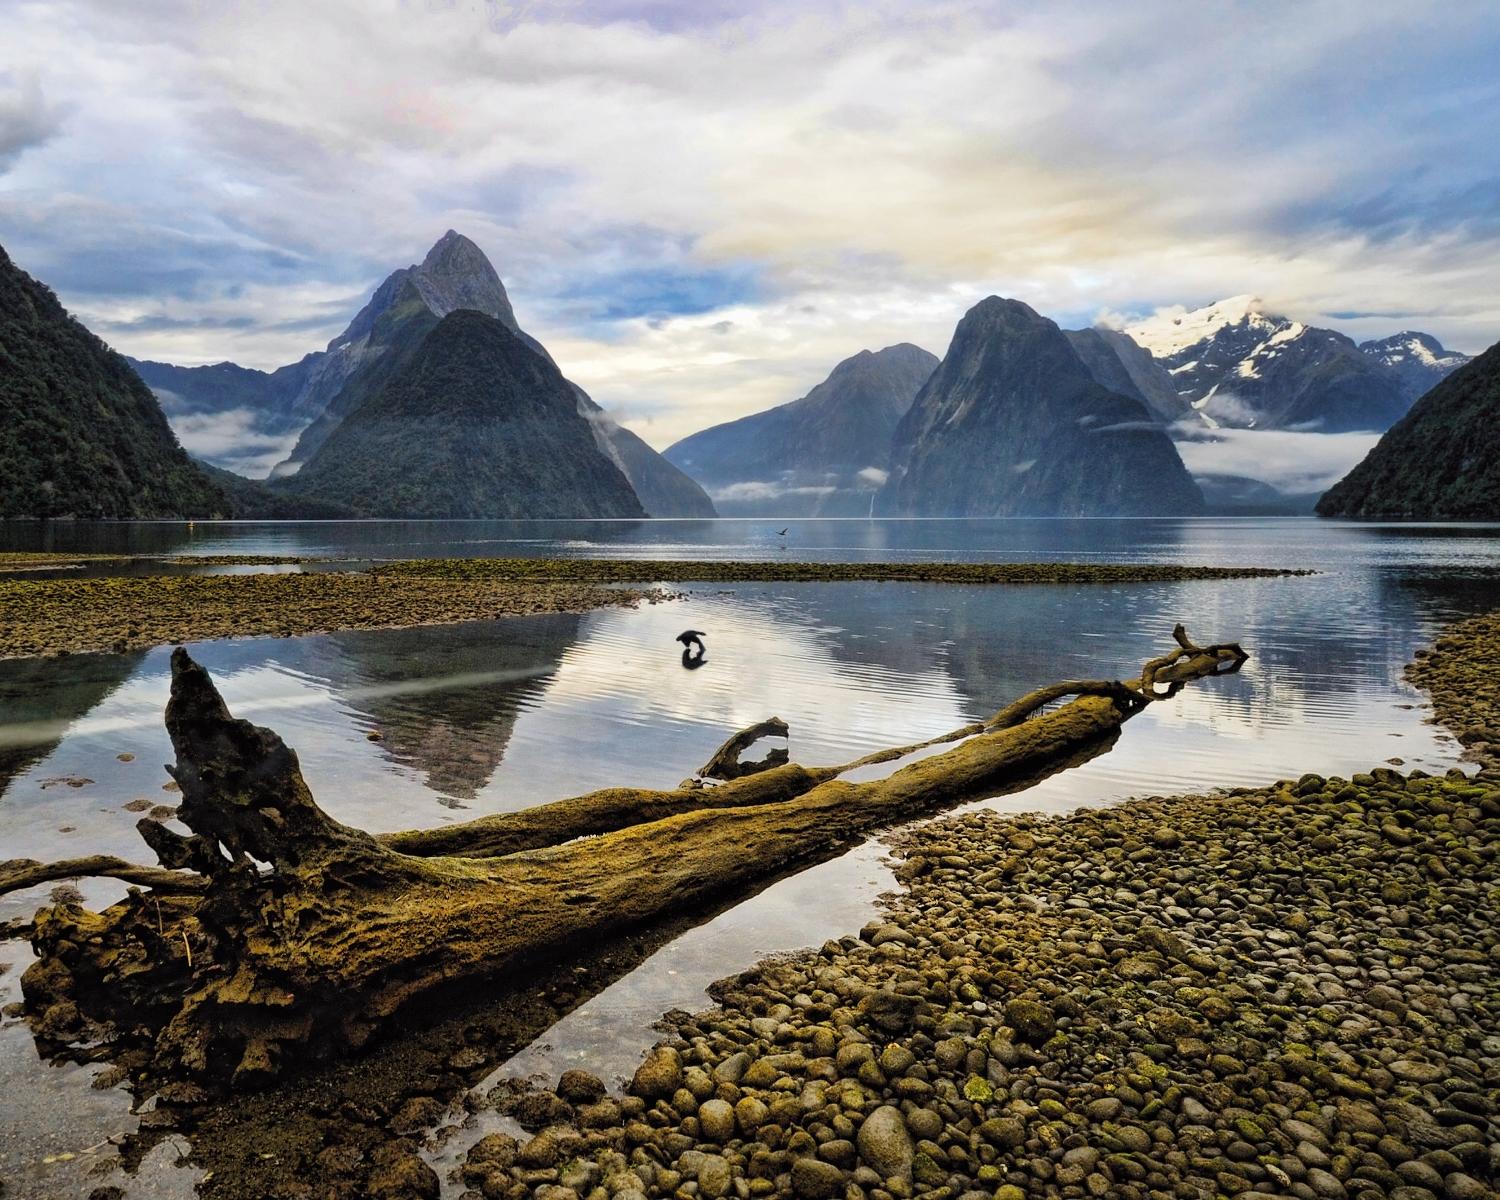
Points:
(1461, 674)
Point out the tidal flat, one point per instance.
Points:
(119, 613)
(115, 614)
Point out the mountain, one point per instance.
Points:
(663, 490)
(1440, 462)
(1012, 424)
(255, 500)
(822, 455)
(301, 404)
(1417, 360)
(222, 387)
(235, 417)
(309, 397)
(1241, 367)
(1119, 364)
(80, 434)
(472, 423)
(454, 275)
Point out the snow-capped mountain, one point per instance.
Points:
(1418, 360)
(1240, 366)
(1169, 331)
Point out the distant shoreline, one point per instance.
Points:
(114, 614)
(603, 570)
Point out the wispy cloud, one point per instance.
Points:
(1297, 463)
(234, 440)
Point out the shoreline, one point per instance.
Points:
(118, 613)
(1286, 990)
(666, 570)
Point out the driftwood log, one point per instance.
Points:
(273, 935)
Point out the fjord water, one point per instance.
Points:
(1268, 541)
(496, 716)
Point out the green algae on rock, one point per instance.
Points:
(1462, 671)
(1320, 1018)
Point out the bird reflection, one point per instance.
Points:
(694, 652)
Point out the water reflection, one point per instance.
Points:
(496, 716)
(1270, 541)
(455, 732)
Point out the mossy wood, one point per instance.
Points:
(273, 934)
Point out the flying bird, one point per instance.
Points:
(782, 532)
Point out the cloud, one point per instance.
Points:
(231, 439)
(872, 476)
(1128, 427)
(1290, 462)
(700, 208)
(1227, 408)
(26, 119)
(765, 489)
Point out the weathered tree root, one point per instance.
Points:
(726, 764)
(305, 935)
(18, 873)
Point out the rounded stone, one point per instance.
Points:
(885, 1145)
(813, 1179)
(716, 1119)
(659, 1076)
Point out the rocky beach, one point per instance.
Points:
(1284, 991)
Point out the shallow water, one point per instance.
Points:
(497, 716)
(1264, 541)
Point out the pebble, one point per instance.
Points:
(1240, 994)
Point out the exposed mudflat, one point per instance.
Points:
(120, 613)
(603, 570)
(113, 614)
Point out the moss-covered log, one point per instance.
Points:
(308, 935)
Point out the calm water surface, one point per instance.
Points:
(492, 717)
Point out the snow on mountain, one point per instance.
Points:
(1236, 365)
(1418, 360)
(1168, 331)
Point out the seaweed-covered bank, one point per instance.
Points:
(1287, 991)
(115, 614)
(120, 613)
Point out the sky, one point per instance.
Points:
(701, 207)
